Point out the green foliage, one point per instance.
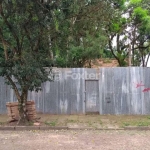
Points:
(115, 27)
(80, 37)
(130, 26)
(135, 2)
(52, 123)
(143, 124)
(140, 12)
(126, 124)
(78, 55)
(107, 54)
(24, 45)
(141, 16)
(147, 24)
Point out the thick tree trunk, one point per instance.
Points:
(22, 107)
(22, 99)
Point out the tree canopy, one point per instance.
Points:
(129, 30)
(79, 34)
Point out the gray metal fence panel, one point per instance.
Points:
(122, 90)
(108, 102)
(145, 92)
(135, 92)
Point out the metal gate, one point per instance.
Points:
(91, 96)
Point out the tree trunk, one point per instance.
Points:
(22, 99)
(22, 107)
(130, 57)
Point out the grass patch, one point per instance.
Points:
(89, 123)
(51, 123)
(126, 124)
(71, 121)
(89, 120)
(137, 123)
(140, 124)
(30, 123)
(100, 122)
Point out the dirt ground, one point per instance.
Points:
(75, 140)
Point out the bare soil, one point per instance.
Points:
(103, 62)
(75, 140)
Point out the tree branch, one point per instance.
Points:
(5, 44)
(14, 87)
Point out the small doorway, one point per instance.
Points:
(91, 97)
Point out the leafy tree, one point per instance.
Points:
(129, 30)
(140, 31)
(117, 33)
(80, 35)
(24, 46)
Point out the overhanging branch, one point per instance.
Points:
(14, 87)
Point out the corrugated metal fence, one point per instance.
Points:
(81, 90)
